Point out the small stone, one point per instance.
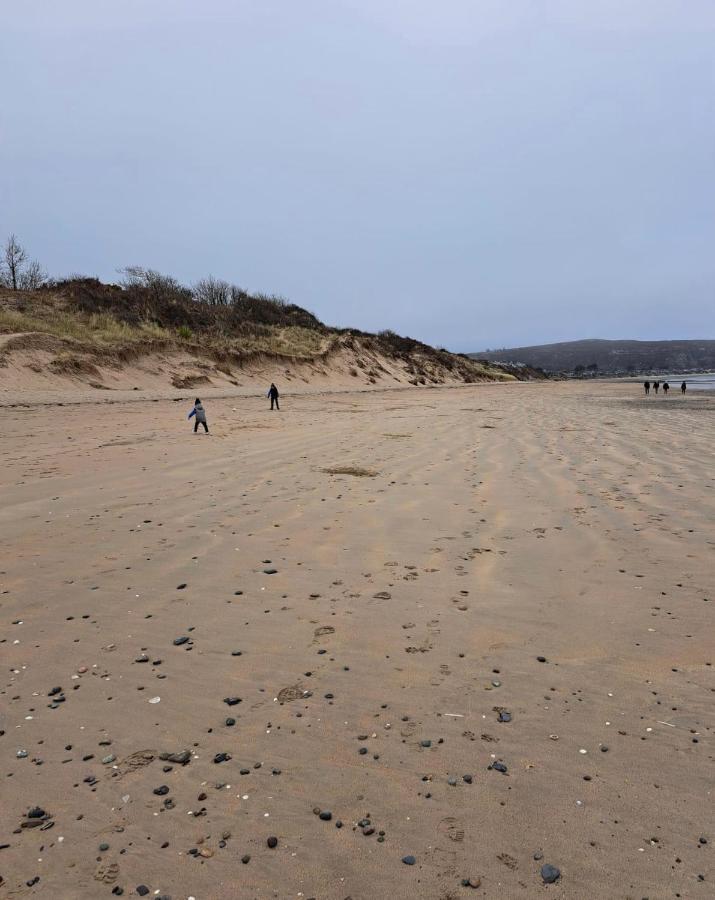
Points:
(183, 757)
(181, 640)
(452, 781)
(103, 847)
(541, 658)
(37, 812)
(325, 815)
(272, 842)
(245, 859)
(471, 882)
(230, 722)
(142, 890)
(499, 767)
(409, 860)
(232, 701)
(425, 743)
(550, 874)
(504, 716)
(467, 779)
(161, 791)
(106, 760)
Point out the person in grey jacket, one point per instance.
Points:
(200, 413)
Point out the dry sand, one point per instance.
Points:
(503, 523)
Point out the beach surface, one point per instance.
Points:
(359, 605)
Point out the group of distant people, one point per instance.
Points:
(198, 413)
(656, 385)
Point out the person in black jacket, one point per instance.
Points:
(273, 394)
(646, 385)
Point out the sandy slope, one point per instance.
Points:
(506, 522)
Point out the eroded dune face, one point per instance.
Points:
(405, 643)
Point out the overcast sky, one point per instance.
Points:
(472, 173)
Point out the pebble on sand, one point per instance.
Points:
(550, 874)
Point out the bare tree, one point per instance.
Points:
(14, 257)
(32, 277)
(160, 286)
(212, 291)
(15, 270)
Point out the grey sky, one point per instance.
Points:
(470, 173)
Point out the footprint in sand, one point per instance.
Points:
(452, 828)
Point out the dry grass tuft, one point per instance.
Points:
(357, 471)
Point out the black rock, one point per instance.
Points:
(504, 716)
(550, 873)
(142, 890)
(272, 842)
(499, 767)
(541, 658)
(270, 571)
(161, 791)
(230, 722)
(181, 640)
(325, 815)
(117, 891)
(232, 701)
(222, 757)
(37, 812)
(245, 859)
(467, 779)
(425, 743)
(409, 860)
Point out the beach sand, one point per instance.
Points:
(489, 526)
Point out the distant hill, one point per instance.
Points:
(611, 357)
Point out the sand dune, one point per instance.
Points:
(385, 622)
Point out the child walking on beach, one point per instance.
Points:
(200, 413)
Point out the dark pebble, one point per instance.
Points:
(181, 640)
(142, 890)
(326, 815)
(409, 860)
(550, 873)
(272, 842)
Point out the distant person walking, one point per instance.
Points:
(656, 385)
(200, 414)
(683, 387)
(646, 386)
(274, 395)
(666, 388)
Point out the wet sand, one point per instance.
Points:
(408, 609)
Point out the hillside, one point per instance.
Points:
(611, 357)
(154, 335)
